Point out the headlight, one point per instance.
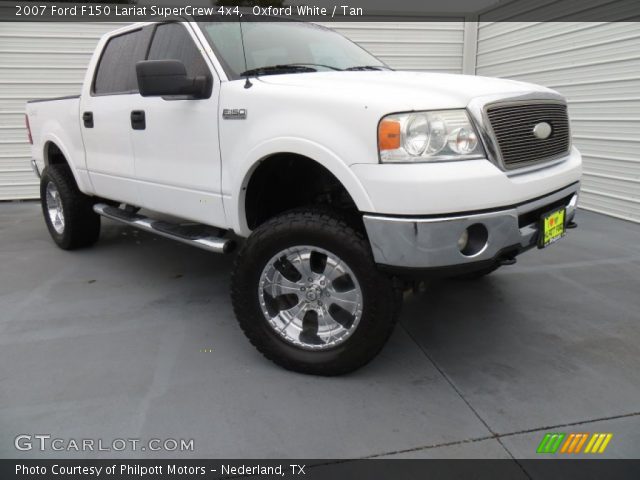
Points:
(428, 137)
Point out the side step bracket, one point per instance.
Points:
(201, 236)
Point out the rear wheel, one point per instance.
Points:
(68, 212)
(308, 295)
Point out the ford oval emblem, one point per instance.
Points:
(542, 130)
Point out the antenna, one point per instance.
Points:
(247, 83)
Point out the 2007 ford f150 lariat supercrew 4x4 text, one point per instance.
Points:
(336, 175)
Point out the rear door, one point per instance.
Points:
(176, 149)
(105, 109)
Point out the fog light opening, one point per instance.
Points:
(473, 240)
(463, 240)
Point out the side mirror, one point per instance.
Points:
(159, 78)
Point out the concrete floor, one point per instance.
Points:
(112, 342)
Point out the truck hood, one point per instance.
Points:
(403, 89)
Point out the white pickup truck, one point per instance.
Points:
(336, 174)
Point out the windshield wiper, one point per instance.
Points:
(318, 65)
(275, 69)
(369, 67)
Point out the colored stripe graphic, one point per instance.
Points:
(598, 443)
(550, 443)
(568, 442)
(574, 442)
(581, 443)
(604, 445)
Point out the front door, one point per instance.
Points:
(175, 140)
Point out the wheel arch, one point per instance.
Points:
(300, 149)
(54, 152)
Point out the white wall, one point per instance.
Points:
(597, 67)
(43, 59)
(432, 46)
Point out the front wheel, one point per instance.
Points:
(307, 294)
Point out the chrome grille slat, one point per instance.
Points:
(526, 143)
(511, 120)
(513, 124)
(539, 114)
(514, 113)
(527, 134)
(526, 124)
(529, 126)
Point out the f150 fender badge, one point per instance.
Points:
(234, 113)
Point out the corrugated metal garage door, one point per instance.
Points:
(432, 46)
(48, 59)
(36, 60)
(597, 66)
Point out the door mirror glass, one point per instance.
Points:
(160, 78)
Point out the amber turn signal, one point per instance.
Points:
(389, 135)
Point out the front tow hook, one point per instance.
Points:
(507, 261)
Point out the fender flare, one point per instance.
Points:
(235, 203)
(54, 139)
(83, 183)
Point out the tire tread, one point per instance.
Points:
(82, 224)
(314, 218)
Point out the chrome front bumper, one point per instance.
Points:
(433, 242)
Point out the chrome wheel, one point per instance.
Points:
(310, 297)
(54, 208)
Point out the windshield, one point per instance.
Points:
(289, 47)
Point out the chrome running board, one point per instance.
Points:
(197, 235)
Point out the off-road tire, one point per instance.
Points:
(332, 232)
(81, 223)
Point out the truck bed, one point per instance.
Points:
(53, 99)
(56, 120)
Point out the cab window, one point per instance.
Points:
(171, 41)
(116, 73)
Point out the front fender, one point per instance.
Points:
(234, 202)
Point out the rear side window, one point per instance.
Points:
(117, 69)
(172, 42)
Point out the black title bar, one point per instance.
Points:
(370, 469)
(323, 10)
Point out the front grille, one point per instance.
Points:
(513, 127)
